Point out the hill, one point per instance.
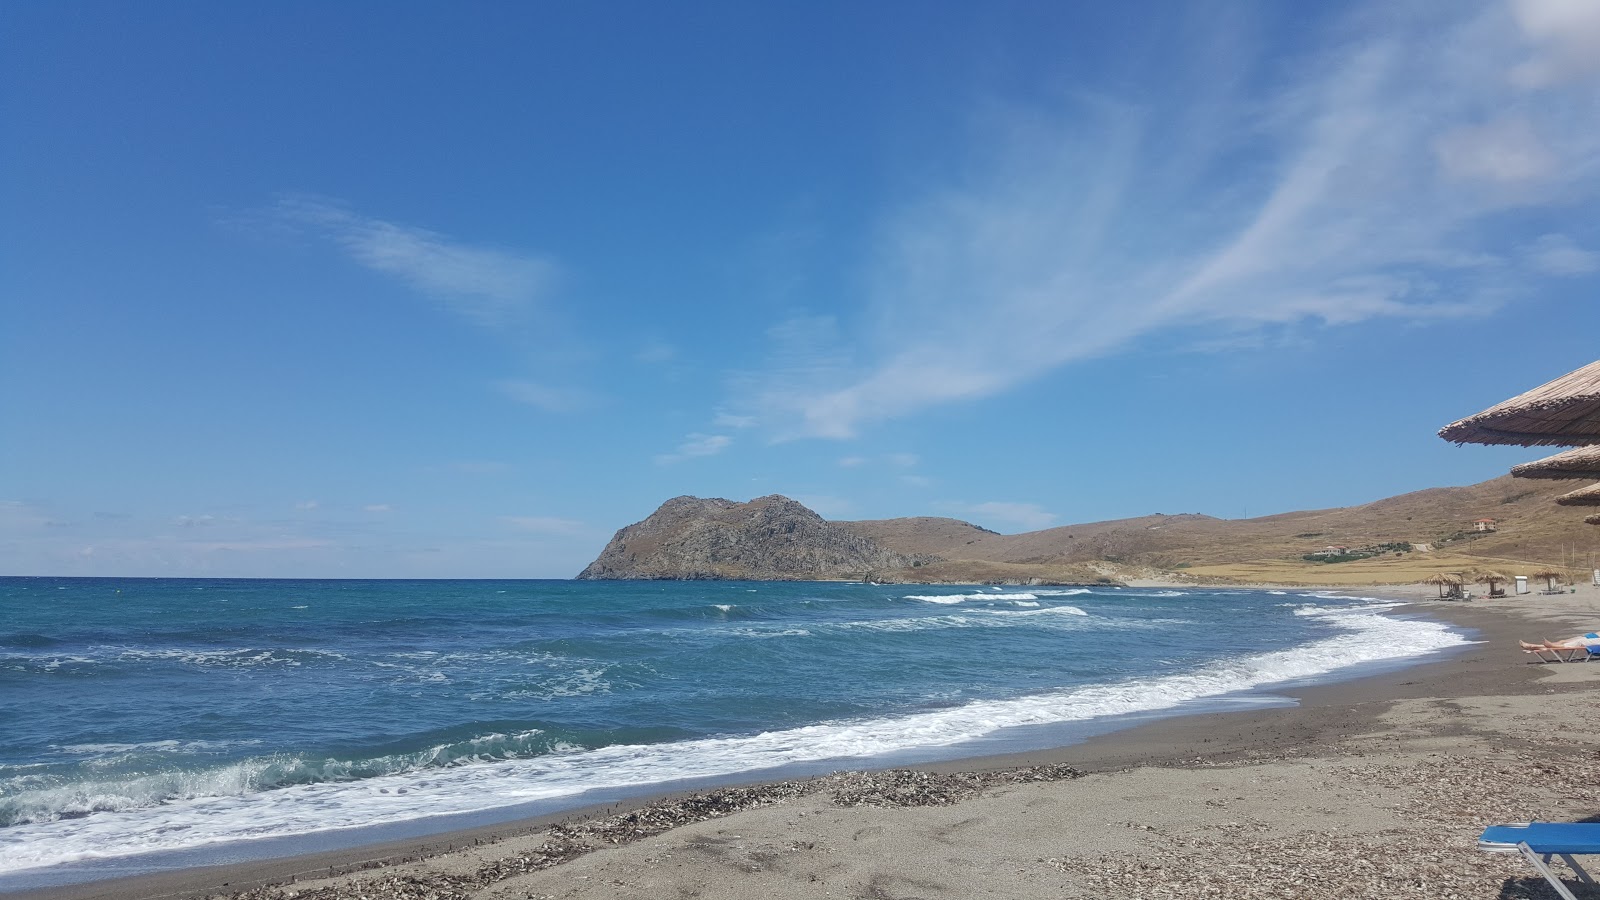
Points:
(769, 538)
(1393, 540)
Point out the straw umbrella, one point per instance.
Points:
(1492, 579)
(1563, 413)
(1582, 462)
(1550, 576)
(1445, 580)
(1588, 496)
(1591, 520)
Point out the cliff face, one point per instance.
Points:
(769, 538)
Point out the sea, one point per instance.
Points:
(150, 724)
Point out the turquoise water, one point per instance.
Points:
(144, 715)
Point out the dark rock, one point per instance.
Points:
(769, 538)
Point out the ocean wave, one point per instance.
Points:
(241, 658)
(167, 746)
(1062, 610)
(43, 799)
(261, 798)
(962, 598)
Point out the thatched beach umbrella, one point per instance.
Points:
(1490, 578)
(1589, 496)
(1444, 580)
(1550, 576)
(1562, 413)
(1581, 462)
(1591, 520)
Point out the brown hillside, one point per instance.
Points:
(1439, 522)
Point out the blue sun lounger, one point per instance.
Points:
(1569, 654)
(1538, 841)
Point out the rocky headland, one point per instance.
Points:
(769, 538)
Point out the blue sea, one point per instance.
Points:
(157, 722)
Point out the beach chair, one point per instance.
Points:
(1591, 650)
(1539, 841)
(1564, 654)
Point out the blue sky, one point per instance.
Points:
(407, 290)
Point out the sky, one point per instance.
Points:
(457, 290)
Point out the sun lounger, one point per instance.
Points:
(1564, 654)
(1539, 841)
(1591, 650)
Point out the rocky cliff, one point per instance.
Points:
(769, 538)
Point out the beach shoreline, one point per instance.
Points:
(1326, 717)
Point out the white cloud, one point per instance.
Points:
(1557, 254)
(729, 420)
(1365, 184)
(697, 445)
(545, 524)
(1023, 516)
(903, 460)
(16, 515)
(852, 462)
(917, 481)
(378, 508)
(546, 397)
(656, 352)
(194, 521)
(1566, 39)
(1502, 150)
(490, 286)
(307, 505)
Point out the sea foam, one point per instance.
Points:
(230, 807)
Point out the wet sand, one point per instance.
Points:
(1369, 788)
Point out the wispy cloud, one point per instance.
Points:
(1565, 39)
(545, 524)
(729, 420)
(1557, 254)
(1363, 181)
(378, 508)
(488, 285)
(549, 398)
(1026, 516)
(655, 352)
(697, 445)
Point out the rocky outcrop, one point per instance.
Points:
(768, 539)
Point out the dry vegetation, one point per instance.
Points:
(1533, 533)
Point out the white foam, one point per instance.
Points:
(232, 815)
(962, 598)
(724, 606)
(245, 657)
(1062, 610)
(167, 746)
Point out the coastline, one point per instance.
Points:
(1466, 703)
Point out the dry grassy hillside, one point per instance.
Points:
(931, 535)
(1532, 532)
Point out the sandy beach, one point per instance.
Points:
(1370, 788)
